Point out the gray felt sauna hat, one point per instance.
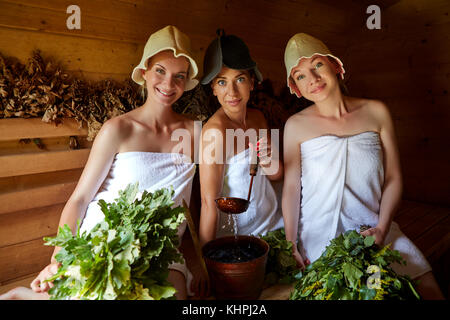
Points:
(229, 51)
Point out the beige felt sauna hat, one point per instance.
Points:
(168, 38)
(305, 46)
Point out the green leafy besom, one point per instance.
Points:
(353, 267)
(281, 266)
(126, 256)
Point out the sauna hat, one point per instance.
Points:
(301, 46)
(229, 51)
(168, 38)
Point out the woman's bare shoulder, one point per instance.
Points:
(297, 126)
(216, 121)
(378, 107)
(373, 109)
(301, 116)
(368, 105)
(119, 125)
(185, 121)
(256, 118)
(117, 130)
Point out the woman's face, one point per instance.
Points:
(315, 77)
(166, 77)
(232, 88)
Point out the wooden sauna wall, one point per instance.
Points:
(407, 65)
(113, 34)
(109, 45)
(38, 172)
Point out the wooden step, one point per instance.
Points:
(436, 241)
(36, 197)
(19, 128)
(26, 225)
(20, 282)
(23, 259)
(32, 163)
(426, 222)
(412, 213)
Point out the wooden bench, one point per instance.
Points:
(35, 184)
(428, 226)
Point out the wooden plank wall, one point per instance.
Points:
(407, 65)
(113, 33)
(36, 179)
(109, 45)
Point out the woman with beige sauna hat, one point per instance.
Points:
(342, 167)
(137, 147)
(168, 38)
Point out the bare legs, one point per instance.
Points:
(177, 279)
(22, 293)
(428, 287)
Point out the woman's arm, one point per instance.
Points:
(393, 186)
(96, 168)
(272, 166)
(212, 158)
(269, 152)
(101, 156)
(292, 186)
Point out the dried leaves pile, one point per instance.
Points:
(41, 88)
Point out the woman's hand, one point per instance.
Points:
(264, 151)
(39, 284)
(378, 233)
(301, 263)
(268, 159)
(200, 283)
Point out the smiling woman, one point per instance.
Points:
(165, 78)
(232, 87)
(137, 147)
(313, 70)
(231, 73)
(179, 46)
(342, 166)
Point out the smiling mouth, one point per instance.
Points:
(164, 93)
(234, 102)
(318, 89)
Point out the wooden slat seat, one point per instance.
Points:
(18, 128)
(22, 164)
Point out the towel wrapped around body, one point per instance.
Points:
(342, 181)
(263, 213)
(153, 171)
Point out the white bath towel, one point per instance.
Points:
(342, 180)
(153, 171)
(263, 213)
